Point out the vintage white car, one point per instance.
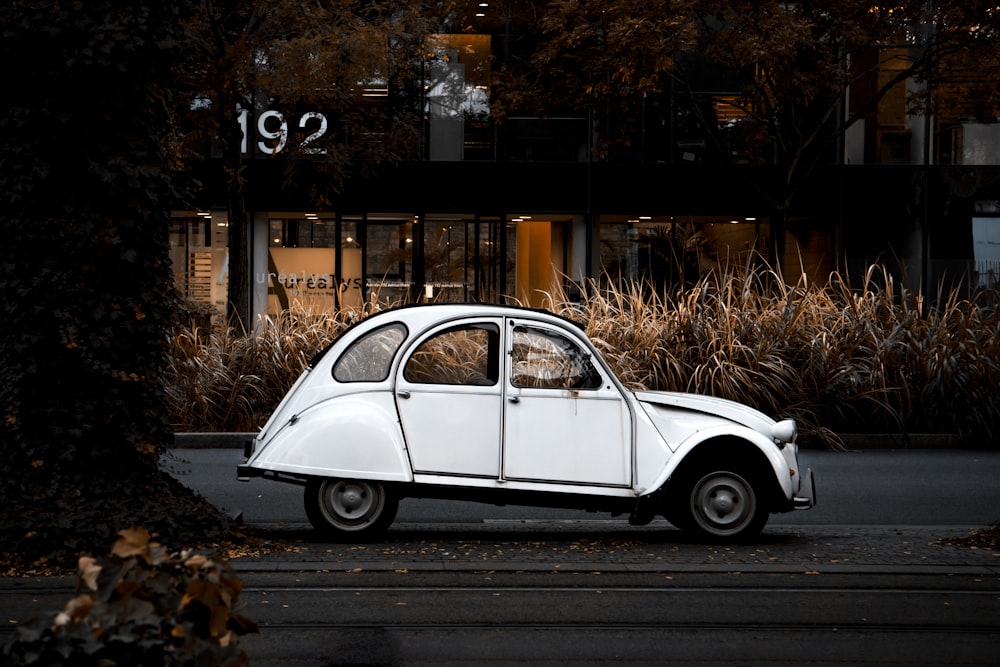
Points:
(513, 406)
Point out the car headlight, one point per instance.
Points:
(784, 431)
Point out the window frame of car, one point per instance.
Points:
(368, 338)
(593, 374)
(493, 371)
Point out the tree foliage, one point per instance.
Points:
(785, 69)
(110, 103)
(86, 152)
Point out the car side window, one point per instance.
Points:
(369, 358)
(546, 359)
(461, 355)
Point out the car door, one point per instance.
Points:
(450, 399)
(566, 421)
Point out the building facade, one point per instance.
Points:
(492, 211)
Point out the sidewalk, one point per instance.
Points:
(579, 547)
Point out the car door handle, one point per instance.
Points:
(403, 394)
(514, 399)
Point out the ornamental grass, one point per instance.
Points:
(837, 357)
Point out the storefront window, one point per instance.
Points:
(351, 288)
(445, 271)
(664, 251)
(986, 242)
(198, 254)
(302, 264)
(548, 253)
(483, 259)
(389, 258)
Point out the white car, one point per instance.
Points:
(510, 406)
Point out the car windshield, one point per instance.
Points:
(369, 358)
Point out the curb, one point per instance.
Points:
(223, 440)
(289, 567)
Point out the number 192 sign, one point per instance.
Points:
(272, 128)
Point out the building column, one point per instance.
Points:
(259, 242)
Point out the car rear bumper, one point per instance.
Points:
(244, 472)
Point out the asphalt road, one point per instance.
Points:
(688, 619)
(864, 578)
(877, 487)
(504, 617)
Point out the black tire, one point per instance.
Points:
(350, 509)
(724, 505)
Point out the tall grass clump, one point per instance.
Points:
(837, 357)
(224, 380)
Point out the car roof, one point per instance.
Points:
(432, 311)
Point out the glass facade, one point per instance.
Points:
(527, 207)
(671, 250)
(302, 267)
(200, 257)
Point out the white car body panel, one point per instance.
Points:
(560, 437)
(709, 405)
(687, 420)
(519, 485)
(652, 453)
(322, 440)
(453, 432)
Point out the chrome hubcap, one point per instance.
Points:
(722, 504)
(723, 501)
(351, 500)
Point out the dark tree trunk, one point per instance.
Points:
(238, 313)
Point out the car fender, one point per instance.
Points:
(355, 436)
(729, 432)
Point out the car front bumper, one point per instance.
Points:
(806, 497)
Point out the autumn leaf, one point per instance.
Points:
(89, 571)
(131, 542)
(76, 610)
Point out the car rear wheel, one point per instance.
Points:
(350, 508)
(725, 505)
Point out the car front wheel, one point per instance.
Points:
(725, 505)
(349, 508)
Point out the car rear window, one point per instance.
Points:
(369, 358)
